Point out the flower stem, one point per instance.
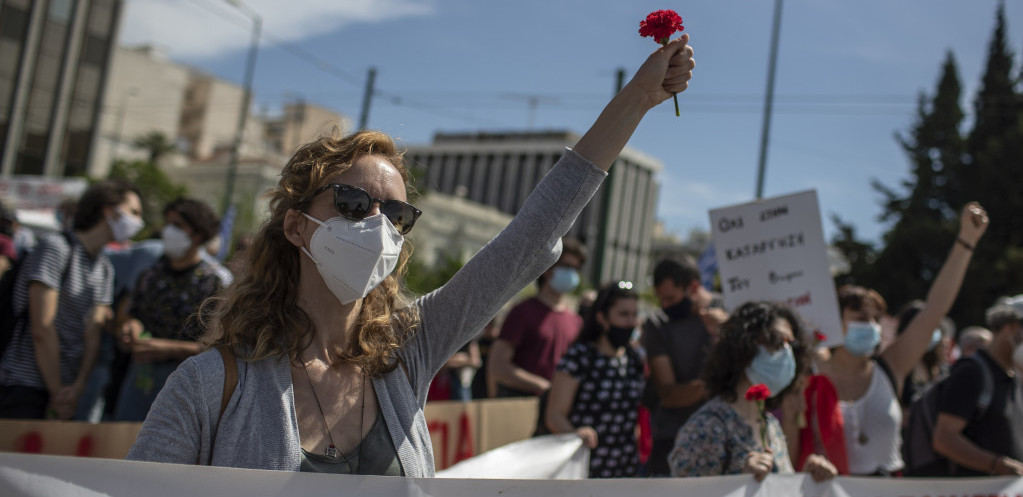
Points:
(763, 423)
(664, 43)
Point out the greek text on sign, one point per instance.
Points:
(774, 250)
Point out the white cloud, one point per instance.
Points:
(207, 28)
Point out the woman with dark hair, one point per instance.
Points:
(761, 343)
(596, 389)
(334, 358)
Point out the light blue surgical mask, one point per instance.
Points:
(861, 338)
(564, 279)
(774, 369)
(935, 339)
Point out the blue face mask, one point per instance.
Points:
(774, 369)
(861, 338)
(564, 279)
(935, 339)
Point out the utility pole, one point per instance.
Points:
(367, 97)
(243, 116)
(533, 101)
(768, 99)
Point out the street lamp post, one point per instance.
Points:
(765, 130)
(243, 116)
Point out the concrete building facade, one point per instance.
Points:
(54, 57)
(149, 93)
(453, 226)
(501, 169)
(144, 94)
(302, 122)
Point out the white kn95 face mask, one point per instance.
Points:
(353, 257)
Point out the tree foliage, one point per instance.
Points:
(155, 144)
(948, 168)
(422, 279)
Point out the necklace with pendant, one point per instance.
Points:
(332, 450)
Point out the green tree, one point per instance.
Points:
(860, 255)
(156, 144)
(948, 169)
(422, 279)
(992, 173)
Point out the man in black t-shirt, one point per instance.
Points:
(677, 337)
(979, 440)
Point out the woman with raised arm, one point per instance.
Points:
(866, 384)
(334, 362)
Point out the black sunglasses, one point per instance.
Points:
(355, 203)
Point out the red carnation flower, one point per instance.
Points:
(819, 337)
(661, 25)
(758, 392)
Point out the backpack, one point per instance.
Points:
(917, 443)
(8, 318)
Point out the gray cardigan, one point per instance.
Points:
(259, 428)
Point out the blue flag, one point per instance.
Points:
(226, 229)
(708, 267)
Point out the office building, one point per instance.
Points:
(501, 169)
(54, 56)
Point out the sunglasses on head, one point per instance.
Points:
(354, 203)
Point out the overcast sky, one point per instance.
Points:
(849, 75)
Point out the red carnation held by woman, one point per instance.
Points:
(758, 392)
(661, 25)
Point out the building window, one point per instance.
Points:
(60, 11)
(13, 23)
(94, 51)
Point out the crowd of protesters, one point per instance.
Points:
(310, 340)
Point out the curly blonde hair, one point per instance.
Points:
(259, 316)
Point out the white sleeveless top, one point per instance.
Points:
(873, 437)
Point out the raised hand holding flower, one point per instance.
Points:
(759, 393)
(660, 25)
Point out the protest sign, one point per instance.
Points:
(773, 249)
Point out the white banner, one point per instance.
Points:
(774, 250)
(38, 476)
(551, 457)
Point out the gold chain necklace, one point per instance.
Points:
(332, 450)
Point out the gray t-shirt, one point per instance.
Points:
(686, 342)
(82, 282)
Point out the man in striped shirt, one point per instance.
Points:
(62, 298)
